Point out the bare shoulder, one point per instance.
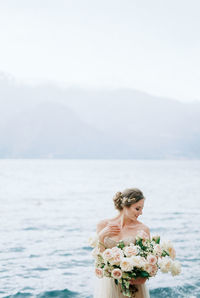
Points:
(102, 224)
(145, 228)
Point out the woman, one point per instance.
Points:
(125, 226)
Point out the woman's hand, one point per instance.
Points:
(138, 281)
(109, 230)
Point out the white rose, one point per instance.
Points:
(116, 249)
(165, 264)
(167, 244)
(93, 240)
(126, 264)
(117, 256)
(175, 268)
(95, 252)
(138, 261)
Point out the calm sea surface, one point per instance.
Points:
(49, 208)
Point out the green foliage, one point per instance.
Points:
(143, 247)
(133, 274)
(139, 242)
(165, 253)
(144, 274)
(126, 274)
(121, 244)
(139, 273)
(125, 288)
(156, 239)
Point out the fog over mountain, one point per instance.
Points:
(47, 121)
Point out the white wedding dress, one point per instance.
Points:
(106, 288)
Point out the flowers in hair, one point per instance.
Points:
(128, 200)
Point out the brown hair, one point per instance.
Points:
(128, 197)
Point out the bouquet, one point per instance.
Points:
(144, 258)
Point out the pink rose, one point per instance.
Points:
(116, 273)
(130, 251)
(151, 259)
(157, 250)
(117, 255)
(116, 259)
(99, 272)
(153, 270)
(147, 268)
(107, 254)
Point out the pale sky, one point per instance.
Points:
(149, 45)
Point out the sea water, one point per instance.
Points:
(49, 208)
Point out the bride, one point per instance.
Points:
(125, 226)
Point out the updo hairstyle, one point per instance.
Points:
(128, 197)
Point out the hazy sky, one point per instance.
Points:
(149, 45)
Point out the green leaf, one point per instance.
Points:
(121, 244)
(126, 274)
(126, 284)
(144, 274)
(165, 253)
(116, 281)
(123, 285)
(158, 240)
(133, 274)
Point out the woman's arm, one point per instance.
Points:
(99, 230)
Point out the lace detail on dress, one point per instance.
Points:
(109, 242)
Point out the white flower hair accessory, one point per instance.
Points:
(128, 200)
(124, 200)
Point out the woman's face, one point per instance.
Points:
(135, 210)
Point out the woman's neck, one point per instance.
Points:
(125, 221)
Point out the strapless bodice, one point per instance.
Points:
(109, 242)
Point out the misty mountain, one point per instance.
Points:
(48, 121)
